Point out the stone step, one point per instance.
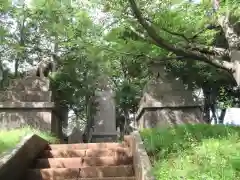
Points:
(59, 153)
(83, 162)
(86, 172)
(85, 146)
(105, 178)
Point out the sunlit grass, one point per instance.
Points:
(10, 138)
(194, 152)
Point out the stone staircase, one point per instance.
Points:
(90, 161)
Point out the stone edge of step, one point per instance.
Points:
(82, 146)
(105, 178)
(38, 173)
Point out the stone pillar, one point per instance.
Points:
(166, 102)
(27, 102)
(105, 117)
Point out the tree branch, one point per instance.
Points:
(199, 47)
(161, 60)
(188, 39)
(216, 51)
(231, 36)
(176, 34)
(171, 32)
(142, 36)
(221, 52)
(178, 51)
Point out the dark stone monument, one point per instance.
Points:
(105, 119)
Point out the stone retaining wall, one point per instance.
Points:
(13, 164)
(141, 161)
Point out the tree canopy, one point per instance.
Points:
(121, 38)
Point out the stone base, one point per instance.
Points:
(76, 136)
(104, 137)
(20, 114)
(164, 117)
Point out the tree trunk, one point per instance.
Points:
(222, 115)
(207, 103)
(233, 40)
(16, 66)
(210, 97)
(88, 127)
(61, 109)
(126, 123)
(120, 123)
(21, 43)
(214, 113)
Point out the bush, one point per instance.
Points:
(10, 138)
(194, 152)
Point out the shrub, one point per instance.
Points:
(194, 151)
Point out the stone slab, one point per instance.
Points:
(16, 118)
(25, 96)
(104, 137)
(26, 105)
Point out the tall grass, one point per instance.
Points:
(194, 152)
(10, 138)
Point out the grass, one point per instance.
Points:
(10, 138)
(194, 152)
